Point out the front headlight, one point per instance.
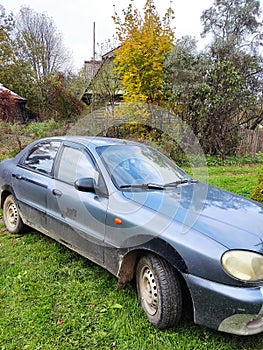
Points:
(243, 265)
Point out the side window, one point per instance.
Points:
(75, 164)
(41, 157)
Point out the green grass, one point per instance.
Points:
(239, 179)
(52, 298)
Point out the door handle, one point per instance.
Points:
(56, 193)
(18, 177)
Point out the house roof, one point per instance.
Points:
(13, 95)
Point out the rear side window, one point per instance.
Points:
(41, 157)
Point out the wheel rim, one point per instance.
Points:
(149, 291)
(12, 215)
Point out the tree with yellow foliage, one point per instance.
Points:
(145, 42)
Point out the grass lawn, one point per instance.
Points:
(51, 298)
(239, 180)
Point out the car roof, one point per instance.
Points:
(94, 140)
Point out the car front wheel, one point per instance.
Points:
(159, 291)
(12, 218)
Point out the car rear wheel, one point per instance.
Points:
(12, 218)
(159, 291)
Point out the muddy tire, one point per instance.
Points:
(12, 218)
(159, 291)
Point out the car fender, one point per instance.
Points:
(5, 191)
(128, 261)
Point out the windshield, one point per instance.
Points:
(134, 165)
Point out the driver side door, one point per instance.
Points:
(77, 218)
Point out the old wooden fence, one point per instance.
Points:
(251, 141)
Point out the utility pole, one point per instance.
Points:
(93, 69)
(94, 52)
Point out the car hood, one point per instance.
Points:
(227, 218)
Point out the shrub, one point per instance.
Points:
(15, 136)
(151, 136)
(43, 129)
(257, 193)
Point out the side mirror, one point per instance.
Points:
(85, 185)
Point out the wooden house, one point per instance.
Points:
(12, 106)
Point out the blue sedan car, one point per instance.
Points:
(130, 209)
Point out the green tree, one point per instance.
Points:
(35, 65)
(6, 27)
(219, 108)
(106, 84)
(144, 44)
(76, 83)
(219, 90)
(186, 71)
(234, 23)
(236, 28)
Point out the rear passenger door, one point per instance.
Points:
(31, 179)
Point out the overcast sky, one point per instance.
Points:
(74, 19)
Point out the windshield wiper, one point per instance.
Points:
(152, 186)
(179, 182)
(148, 186)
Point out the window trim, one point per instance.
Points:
(34, 147)
(87, 152)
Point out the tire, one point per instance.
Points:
(159, 291)
(12, 218)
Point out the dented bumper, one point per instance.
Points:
(236, 310)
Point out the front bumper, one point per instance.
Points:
(226, 308)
